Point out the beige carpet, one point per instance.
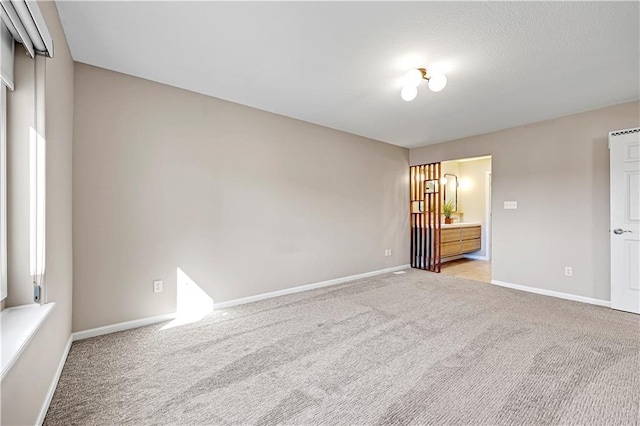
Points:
(417, 348)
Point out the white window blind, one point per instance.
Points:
(3, 191)
(21, 21)
(6, 82)
(6, 54)
(27, 26)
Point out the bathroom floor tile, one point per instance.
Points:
(477, 270)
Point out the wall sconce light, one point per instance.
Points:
(414, 77)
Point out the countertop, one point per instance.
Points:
(458, 225)
(461, 224)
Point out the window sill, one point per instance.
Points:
(19, 325)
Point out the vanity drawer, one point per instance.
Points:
(450, 234)
(471, 233)
(470, 245)
(450, 249)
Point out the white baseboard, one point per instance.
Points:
(552, 293)
(113, 328)
(85, 334)
(475, 257)
(306, 287)
(54, 384)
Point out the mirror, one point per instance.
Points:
(451, 189)
(431, 186)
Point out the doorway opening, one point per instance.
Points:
(466, 236)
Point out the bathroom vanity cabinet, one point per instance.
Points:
(460, 238)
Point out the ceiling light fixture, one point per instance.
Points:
(409, 93)
(414, 77)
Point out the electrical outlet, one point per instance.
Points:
(387, 252)
(157, 286)
(510, 205)
(568, 271)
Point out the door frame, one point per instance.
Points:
(488, 211)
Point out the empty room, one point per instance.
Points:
(320, 213)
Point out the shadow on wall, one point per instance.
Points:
(193, 303)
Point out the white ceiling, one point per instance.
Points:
(341, 64)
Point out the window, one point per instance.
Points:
(21, 21)
(3, 188)
(37, 181)
(6, 81)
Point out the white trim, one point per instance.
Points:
(54, 384)
(19, 325)
(552, 293)
(85, 334)
(306, 287)
(488, 212)
(127, 325)
(475, 257)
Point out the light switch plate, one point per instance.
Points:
(510, 205)
(157, 286)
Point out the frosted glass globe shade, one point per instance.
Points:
(413, 78)
(409, 93)
(437, 82)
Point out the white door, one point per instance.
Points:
(624, 146)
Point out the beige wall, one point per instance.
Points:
(558, 172)
(25, 387)
(243, 201)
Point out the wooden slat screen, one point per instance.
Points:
(426, 213)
